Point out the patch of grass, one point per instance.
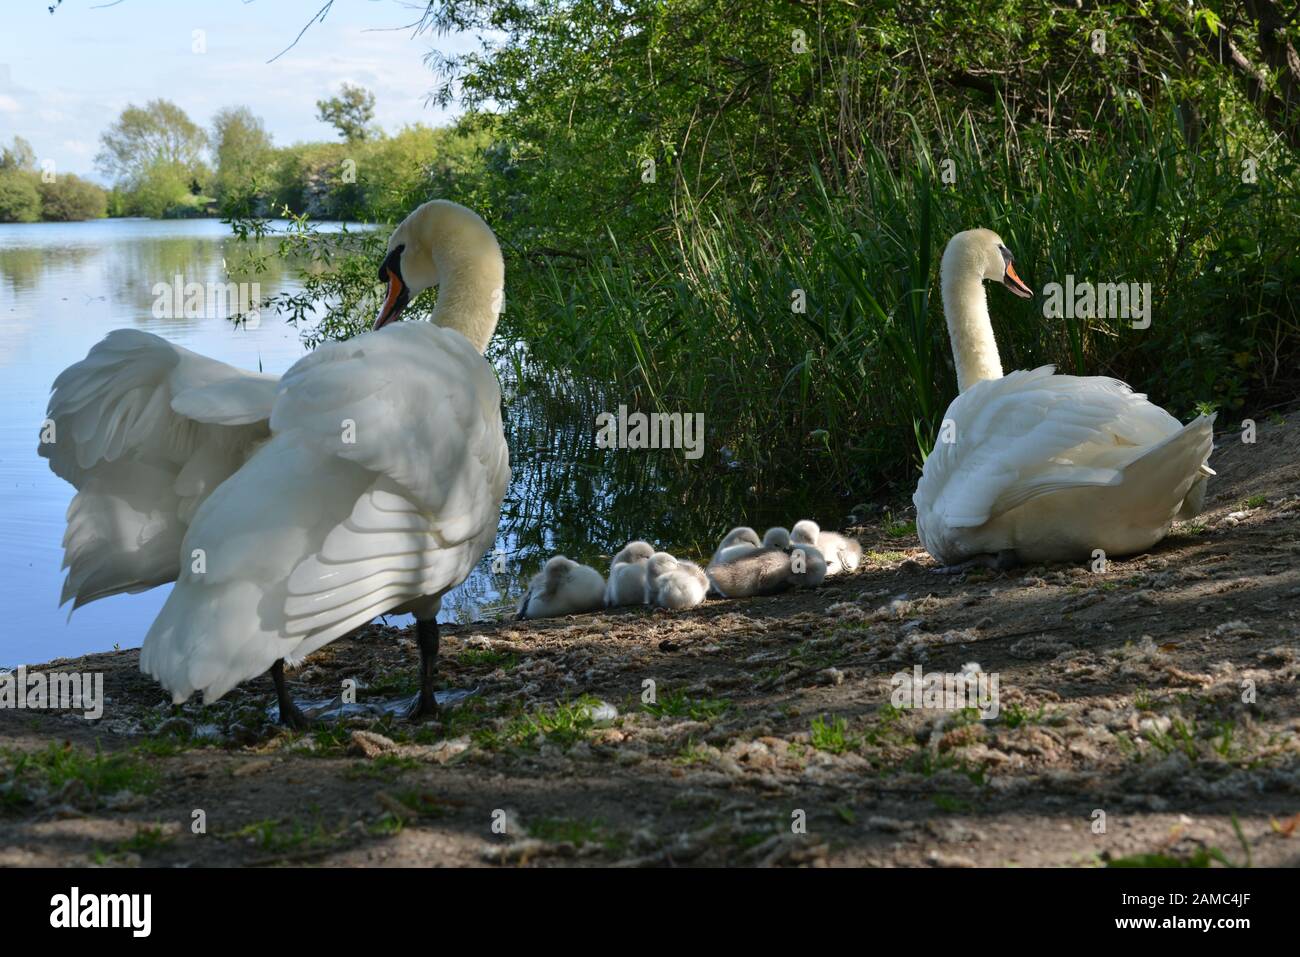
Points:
(386, 825)
(888, 728)
(845, 814)
(165, 747)
(564, 725)
(692, 753)
(1013, 715)
(398, 684)
(487, 658)
(950, 803)
(277, 836)
(422, 803)
(1181, 736)
(146, 840)
(895, 529)
(832, 735)
(885, 557)
(577, 832)
(1255, 501)
(677, 704)
(384, 766)
(26, 776)
(930, 764)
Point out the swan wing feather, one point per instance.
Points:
(144, 430)
(1032, 433)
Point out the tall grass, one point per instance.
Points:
(845, 397)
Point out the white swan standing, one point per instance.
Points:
(368, 480)
(1035, 466)
(562, 587)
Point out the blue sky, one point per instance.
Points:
(65, 77)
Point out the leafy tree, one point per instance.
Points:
(69, 198)
(244, 155)
(19, 155)
(19, 200)
(146, 139)
(351, 112)
(163, 189)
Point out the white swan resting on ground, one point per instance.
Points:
(841, 552)
(1035, 466)
(627, 575)
(368, 480)
(670, 583)
(562, 587)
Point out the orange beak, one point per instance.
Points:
(1013, 282)
(394, 302)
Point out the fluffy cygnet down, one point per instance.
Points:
(627, 575)
(562, 587)
(841, 553)
(738, 541)
(670, 583)
(776, 537)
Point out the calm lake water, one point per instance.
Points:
(64, 286)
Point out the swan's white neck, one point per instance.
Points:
(966, 309)
(451, 247)
(470, 295)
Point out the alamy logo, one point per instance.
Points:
(1105, 300)
(658, 430)
(207, 300)
(103, 910)
(36, 690)
(945, 691)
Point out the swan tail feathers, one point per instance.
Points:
(196, 644)
(1175, 469)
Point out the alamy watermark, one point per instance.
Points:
(946, 691)
(655, 430)
(57, 690)
(1104, 300)
(179, 299)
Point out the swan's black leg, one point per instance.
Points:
(426, 704)
(290, 716)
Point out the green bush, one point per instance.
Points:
(20, 200)
(160, 191)
(70, 198)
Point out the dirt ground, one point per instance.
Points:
(1148, 714)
